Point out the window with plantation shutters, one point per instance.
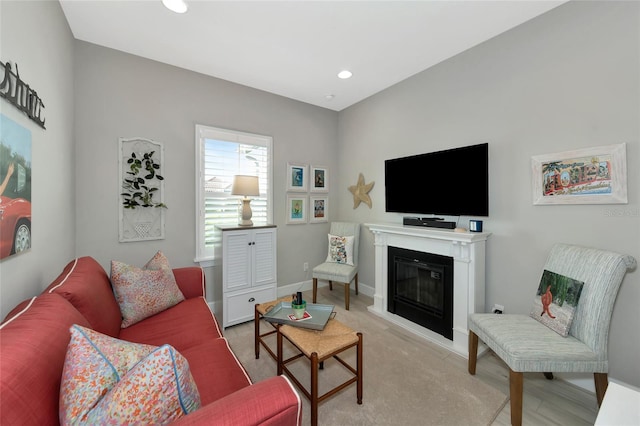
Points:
(220, 155)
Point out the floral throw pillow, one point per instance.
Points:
(101, 373)
(163, 387)
(93, 364)
(556, 301)
(340, 249)
(142, 292)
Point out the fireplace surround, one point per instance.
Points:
(467, 249)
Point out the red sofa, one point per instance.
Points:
(35, 334)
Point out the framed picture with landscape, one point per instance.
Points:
(297, 177)
(319, 209)
(296, 209)
(319, 179)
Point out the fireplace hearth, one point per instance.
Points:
(420, 287)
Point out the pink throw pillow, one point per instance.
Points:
(142, 292)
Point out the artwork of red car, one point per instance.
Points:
(15, 226)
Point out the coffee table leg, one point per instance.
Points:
(256, 322)
(314, 389)
(359, 364)
(279, 351)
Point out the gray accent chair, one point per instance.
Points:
(339, 272)
(526, 345)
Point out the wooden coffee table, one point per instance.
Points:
(318, 346)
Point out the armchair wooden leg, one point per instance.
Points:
(315, 289)
(473, 352)
(347, 288)
(548, 376)
(515, 394)
(331, 285)
(356, 284)
(602, 383)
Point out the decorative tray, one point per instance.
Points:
(316, 320)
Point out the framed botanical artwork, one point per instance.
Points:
(319, 179)
(141, 191)
(296, 209)
(595, 175)
(319, 209)
(297, 177)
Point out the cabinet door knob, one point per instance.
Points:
(253, 299)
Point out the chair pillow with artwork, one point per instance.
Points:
(340, 249)
(556, 301)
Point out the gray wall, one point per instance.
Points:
(566, 80)
(35, 35)
(121, 95)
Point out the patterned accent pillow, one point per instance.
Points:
(144, 292)
(340, 249)
(556, 301)
(163, 387)
(94, 364)
(100, 372)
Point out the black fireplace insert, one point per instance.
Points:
(420, 289)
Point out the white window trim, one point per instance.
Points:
(207, 258)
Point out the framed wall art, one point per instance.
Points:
(141, 190)
(297, 177)
(319, 209)
(15, 188)
(296, 209)
(595, 175)
(319, 179)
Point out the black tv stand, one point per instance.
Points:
(428, 222)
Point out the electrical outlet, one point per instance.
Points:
(498, 309)
(305, 266)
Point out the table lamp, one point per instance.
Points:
(245, 185)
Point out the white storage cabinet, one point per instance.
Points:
(249, 270)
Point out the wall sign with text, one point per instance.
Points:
(19, 94)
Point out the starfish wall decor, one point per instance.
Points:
(360, 192)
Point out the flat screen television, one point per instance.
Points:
(452, 182)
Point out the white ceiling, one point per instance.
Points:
(296, 48)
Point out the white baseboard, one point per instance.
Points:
(308, 285)
(581, 380)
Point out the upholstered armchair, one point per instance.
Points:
(340, 272)
(527, 345)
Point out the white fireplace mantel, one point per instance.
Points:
(468, 252)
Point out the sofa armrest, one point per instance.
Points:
(272, 402)
(190, 281)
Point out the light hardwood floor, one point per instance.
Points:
(546, 402)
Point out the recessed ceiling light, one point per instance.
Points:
(329, 97)
(345, 74)
(177, 6)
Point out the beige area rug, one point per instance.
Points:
(407, 381)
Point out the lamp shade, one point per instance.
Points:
(245, 185)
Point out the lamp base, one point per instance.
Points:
(246, 213)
